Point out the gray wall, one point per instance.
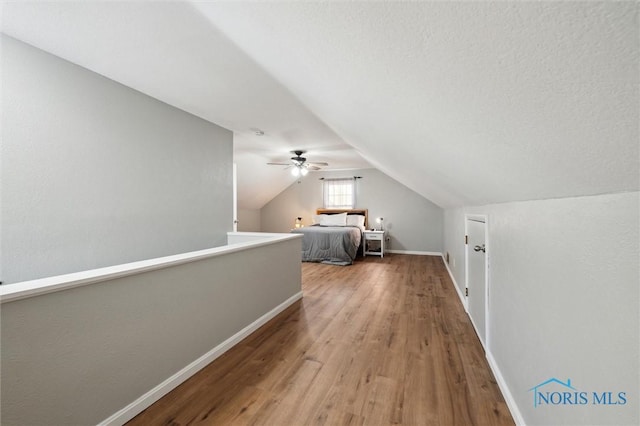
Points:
(249, 220)
(96, 174)
(76, 357)
(414, 223)
(564, 297)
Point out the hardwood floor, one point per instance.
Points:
(384, 341)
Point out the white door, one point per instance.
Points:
(477, 275)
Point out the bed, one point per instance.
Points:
(336, 236)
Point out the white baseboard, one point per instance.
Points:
(142, 403)
(419, 253)
(506, 393)
(508, 397)
(455, 284)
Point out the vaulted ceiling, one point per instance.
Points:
(464, 102)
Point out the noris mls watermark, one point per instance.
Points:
(557, 392)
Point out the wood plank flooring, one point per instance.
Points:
(384, 341)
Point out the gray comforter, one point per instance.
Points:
(328, 244)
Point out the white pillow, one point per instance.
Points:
(334, 219)
(356, 220)
(317, 218)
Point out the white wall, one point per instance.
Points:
(414, 223)
(96, 174)
(78, 356)
(564, 299)
(249, 220)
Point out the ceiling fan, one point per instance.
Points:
(300, 166)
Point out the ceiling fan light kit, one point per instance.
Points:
(299, 165)
(299, 171)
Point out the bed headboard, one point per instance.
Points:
(361, 212)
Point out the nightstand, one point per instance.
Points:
(374, 243)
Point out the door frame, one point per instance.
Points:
(483, 219)
(235, 197)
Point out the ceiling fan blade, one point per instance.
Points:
(321, 164)
(313, 167)
(279, 164)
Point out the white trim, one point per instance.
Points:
(506, 393)
(502, 384)
(235, 198)
(484, 346)
(261, 235)
(484, 220)
(143, 402)
(22, 290)
(419, 253)
(487, 287)
(455, 284)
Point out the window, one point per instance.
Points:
(339, 193)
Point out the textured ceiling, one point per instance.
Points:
(464, 102)
(169, 51)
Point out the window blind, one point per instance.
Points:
(339, 193)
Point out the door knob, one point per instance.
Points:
(480, 248)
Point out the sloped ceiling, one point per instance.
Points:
(464, 102)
